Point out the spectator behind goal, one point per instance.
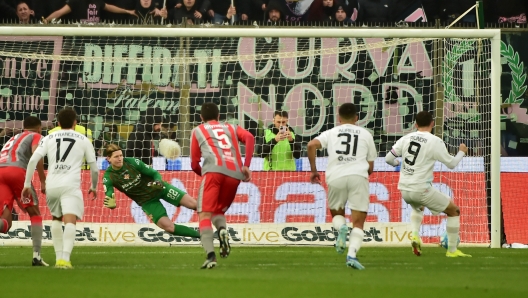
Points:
(280, 147)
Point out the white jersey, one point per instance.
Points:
(350, 148)
(419, 152)
(66, 150)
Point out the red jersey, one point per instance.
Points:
(17, 151)
(218, 144)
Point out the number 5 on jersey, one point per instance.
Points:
(223, 139)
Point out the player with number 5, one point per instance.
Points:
(66, 150)
(222, 172)
(419, 151)
(351, 155)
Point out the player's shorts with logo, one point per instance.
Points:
(431, 198)
(217, 193)
(155, 209)
(65, 200)
(353, 189)
(11, 185)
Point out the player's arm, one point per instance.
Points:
(89, 155)
(39, 153)
(40, 165)
(146, 170)
(249, 140)
(196, 155)
(371, 155)
(394, 153)
(443, 156)
(109, 201)
(319, 142)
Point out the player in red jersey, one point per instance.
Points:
(222, 172)
(14, 158)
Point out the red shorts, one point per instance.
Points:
(11, 185)
(217, 193)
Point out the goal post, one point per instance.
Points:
(306, 71)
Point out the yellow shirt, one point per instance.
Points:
(80, 129)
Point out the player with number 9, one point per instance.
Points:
(419, 151)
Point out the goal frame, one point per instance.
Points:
(493, 34)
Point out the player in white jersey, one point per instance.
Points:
(66, 150)
(351, 155)
(419, 151)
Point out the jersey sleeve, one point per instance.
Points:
(89, 154)
(196, 154)
(36, 139)
(145, 170)
(249, 140)
(372, 153)
(441, 153)
(108, 186)
(397, 148)
(42, 148)
(323, 139)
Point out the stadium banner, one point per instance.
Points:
(289, 197)
(376, 234)
(389, 84)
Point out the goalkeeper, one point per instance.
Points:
(144, 186)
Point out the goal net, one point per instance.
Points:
(123, 84)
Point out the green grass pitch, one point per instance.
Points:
(265, 272)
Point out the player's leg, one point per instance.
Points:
(337, 197)
(157, 212)
(453, 231)
(208, 195)
(31, 207)
(438, 202)
(227, 196)
(5, 218)
(358, 202)
(414, 199)
(53, 202)
(72, 206)
(7, 199)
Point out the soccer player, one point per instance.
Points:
(222, 172)
(351, 155)
(419, 151)
(144, 186)
(65, 149)
(14, 158)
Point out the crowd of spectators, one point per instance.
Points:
(230, 11)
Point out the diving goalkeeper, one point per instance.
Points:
(144, 186)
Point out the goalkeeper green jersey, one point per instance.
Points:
(132, 179)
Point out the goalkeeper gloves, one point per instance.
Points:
(156, 185)
(110, 202)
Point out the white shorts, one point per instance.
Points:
(353, 189)
(65, 200)
(431, 198)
